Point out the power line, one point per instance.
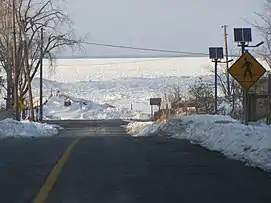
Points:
(184, 53)
(146, 49)
(129, 62)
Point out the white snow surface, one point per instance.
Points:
(55, 109)
(142, 128)
(13, 128)
(126, 83)
(250, 144)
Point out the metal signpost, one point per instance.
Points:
(155, 102)
(216, 54)
(246, 70)
(269, 100)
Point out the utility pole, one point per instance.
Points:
(41, 76)
(227, 58)
(15, 68)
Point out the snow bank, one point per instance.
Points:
(250, 144)
(142, 128)
(55, 109)
(13, 128)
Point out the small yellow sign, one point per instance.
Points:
(246, 70)
(21, 105)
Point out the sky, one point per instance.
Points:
(182, 25)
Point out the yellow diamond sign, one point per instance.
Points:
(246, 70)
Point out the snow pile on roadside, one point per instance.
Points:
(250, 144)
(13, 128)
(137, 129)
(85, 109)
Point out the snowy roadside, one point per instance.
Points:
(250, 144)
(13, 128)
(55, 109)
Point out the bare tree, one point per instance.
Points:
(2, 81)
(173, 93)
(203, 94)
(263, 25)
(31, 16)
(233, 97)
(5, 46)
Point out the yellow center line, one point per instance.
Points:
(51, 179)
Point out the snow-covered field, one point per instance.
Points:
(126, 84)
(250, 144)
(13, 128)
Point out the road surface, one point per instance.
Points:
(105, 165)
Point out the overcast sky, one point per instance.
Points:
(184, 25)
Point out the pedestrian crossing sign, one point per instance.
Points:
(246, 70)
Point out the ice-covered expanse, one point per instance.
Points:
(13, 128)
(250, 144)
(75, 70)
(126, 84)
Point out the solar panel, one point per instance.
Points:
(238, 34)
(219, 53)
(247, 34)
(242, 35)
(212, 53)
(216, 53)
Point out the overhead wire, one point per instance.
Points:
(130, 62)
(183, 53)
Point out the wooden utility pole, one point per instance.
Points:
(15, 68)
(227, 58)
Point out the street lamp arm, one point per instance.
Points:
(224, 61)
(257, 45)
(230, 60)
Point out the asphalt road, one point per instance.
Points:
(108, 166)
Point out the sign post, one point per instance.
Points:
(246, 70)
(269, 100)
(154, 102)
(216, 54)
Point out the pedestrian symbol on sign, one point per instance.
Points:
(248, 67)
(247, 70)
